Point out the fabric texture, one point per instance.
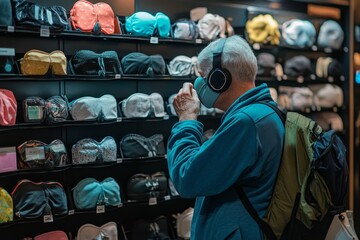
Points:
(218, 212)
(90, 108)
(6, 17)
(107, 231)
(136, 146)
(331, 35)
(266, 65)
(58, 235)
(327, 95)
(89, 151)
(212, 26)
(8, 108)
(37, 62)
(89, 193)
(140, 63)
(185, 29)
(300, 33)
(163, 24)
(6, 206)
(36, 199)
(298, 66)
(263, 29)
(182, 66)
(140, 105)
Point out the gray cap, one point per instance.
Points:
(331, 35)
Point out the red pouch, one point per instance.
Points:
(8, 107)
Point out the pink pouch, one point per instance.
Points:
(8, 107)
(58, 235)
(8, 162)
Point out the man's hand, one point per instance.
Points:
(187, 103)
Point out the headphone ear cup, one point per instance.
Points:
(219, 80)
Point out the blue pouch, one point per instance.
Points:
(89, 193)
(140, 24)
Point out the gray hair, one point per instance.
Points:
(237, 57)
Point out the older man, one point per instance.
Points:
(245, 150)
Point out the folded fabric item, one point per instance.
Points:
(89, 193)
(327, 95)
(108, 231)
(6, 17)
(36, 154)
(156, 229)
(329, 120)
(331, 35)
(183, 223)
(87, 62)
(6, 206)
(134, 146)
(163, 24)
(91, 108)
(88, 17)
(37, 62)
(182, 66)
(34, 109)
(57, 109)
(140, 105)
(142, 187)
(266, 64)
(36, 199)
(300, 33)
(185, 29)
(8, 108)
(8, 64)
(298, 66)
(28, 13)
(299, 98)
(140, 63)
(89, 151)
(263, 29)
(58, 235)
(327, 66)
(212, 26)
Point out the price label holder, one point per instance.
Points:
(100, 209)
(48, 218)
(44, 31)
(154, 40)
(10, 28)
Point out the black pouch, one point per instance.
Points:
(156, 229)
(87, 62)
(6, 17)
(31, 14)
(140, 63)
(134, 146)
(34, 109)
(142, 187)
(57, 109)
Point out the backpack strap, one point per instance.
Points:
(265, 227)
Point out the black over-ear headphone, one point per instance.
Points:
(219, 79)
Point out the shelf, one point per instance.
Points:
(314, 48)
(326, 2)
(295, 81)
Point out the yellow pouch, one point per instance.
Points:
(36, 62)
(6, 206)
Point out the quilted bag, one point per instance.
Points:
(134, 146)
(6, 206)
(107, 231)
(99, 17)
(142, 187)
(31, 14)
(36, 62)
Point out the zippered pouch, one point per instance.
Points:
(134, 146)
(151, 229)
(6, 206)
(140, 105)
(53, 235)
(37, 62)
(107, 231)
(142, 187)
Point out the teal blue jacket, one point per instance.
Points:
(246, 148)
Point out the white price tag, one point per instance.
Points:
(154, 40)
(10, 29)
(167, 197)
(256, 46)
(312, 77)
(342, 78)
(7, 51)
(331, 79)
(119, 160)
(71, 212)
(35, 153)
(44, 31)
(300, 79)
(117, 76)
(166, 117)
(48, 218)
(314, 48)
(198, 41)
(152, 201)
(100, 209)
(120, 205)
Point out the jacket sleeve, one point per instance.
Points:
(209, 169)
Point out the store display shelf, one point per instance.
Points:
(326, 2)
(133, 77)
(314, 48)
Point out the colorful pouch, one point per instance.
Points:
(134, 146)
(88, 151)
(8, 108)
(185, 29)
(6, 206)
(140, 105)
(89, 193)
(107, 231)
(57, 109)
(36, 62)
(34, 109)
(53, 235)
(36, 199)
(142, 187)
(36, 154)
(90, 108)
